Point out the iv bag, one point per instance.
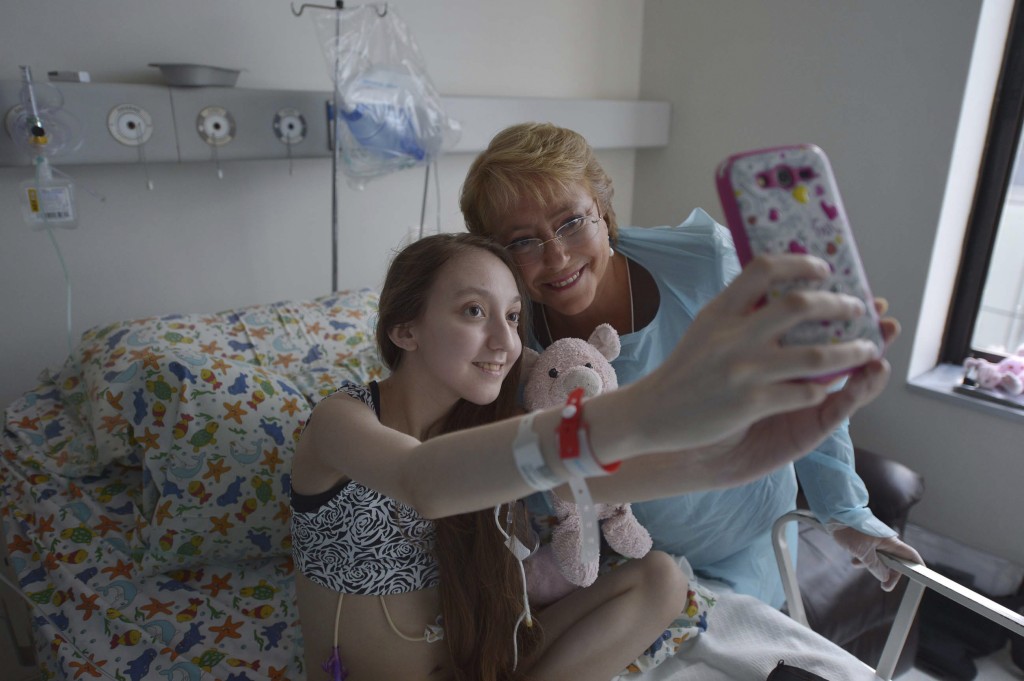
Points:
(390, 115)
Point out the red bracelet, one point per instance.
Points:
(574, 441)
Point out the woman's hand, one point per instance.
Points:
(864, 550)
(730, 380)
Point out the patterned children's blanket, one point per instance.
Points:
(144, 489)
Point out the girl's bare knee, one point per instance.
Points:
(664, 582)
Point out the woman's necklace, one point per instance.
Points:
(629, 285)
(632, 317)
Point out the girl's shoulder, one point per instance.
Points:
(341, 402)
(357, 391)
(367, 394)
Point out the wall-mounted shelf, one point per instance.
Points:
(260, 118)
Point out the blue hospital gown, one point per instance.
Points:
(725, 534)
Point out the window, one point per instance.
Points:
(999, 327)
(987, 311)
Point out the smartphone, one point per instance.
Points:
(786, 200)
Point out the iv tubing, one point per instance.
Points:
(60, 256)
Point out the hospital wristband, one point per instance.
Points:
(574, 450)
(574, 441)
(530, 460)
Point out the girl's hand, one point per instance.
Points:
(730, 373)
(776, 440)
(747, 454)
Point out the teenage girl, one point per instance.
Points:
(402, 526)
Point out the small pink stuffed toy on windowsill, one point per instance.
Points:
(1007, 375)
(567, 364)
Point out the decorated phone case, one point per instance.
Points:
(785, 200)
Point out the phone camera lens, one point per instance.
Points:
(784, 176)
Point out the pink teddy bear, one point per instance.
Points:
(550, 376)
(1007, 375)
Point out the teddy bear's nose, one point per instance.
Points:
(581, 377)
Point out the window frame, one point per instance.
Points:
(994, 177)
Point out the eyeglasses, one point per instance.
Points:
(575, 232)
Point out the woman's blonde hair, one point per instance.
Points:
(538, 160)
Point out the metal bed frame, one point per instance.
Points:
(920, 577)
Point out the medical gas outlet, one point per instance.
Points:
(216, 126)
(289, 126)
(130, 125)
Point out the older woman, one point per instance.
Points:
(539, 191)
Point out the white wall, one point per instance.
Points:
(198, 244)
(878, 84)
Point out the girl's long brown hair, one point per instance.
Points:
(481, 589)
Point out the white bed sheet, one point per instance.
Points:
(746, 639)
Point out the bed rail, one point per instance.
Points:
(921, 578)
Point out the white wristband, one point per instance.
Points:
(589, 539)
(530, 460)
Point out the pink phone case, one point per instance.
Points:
(785, 200)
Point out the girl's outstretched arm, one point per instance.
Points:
(725, 401)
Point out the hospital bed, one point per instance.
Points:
(144, 503)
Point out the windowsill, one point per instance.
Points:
(941, 381)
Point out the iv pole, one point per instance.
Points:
(334, 151)
(339, 6)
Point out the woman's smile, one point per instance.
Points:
(567, 281)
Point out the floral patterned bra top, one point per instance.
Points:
(354, 540)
